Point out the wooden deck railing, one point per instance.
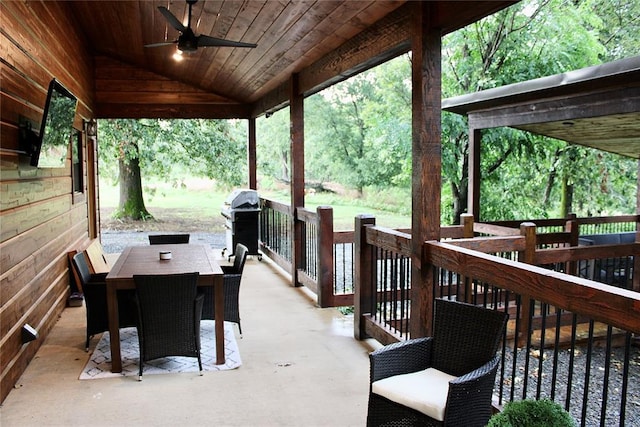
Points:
(569, 339)
(328, 269)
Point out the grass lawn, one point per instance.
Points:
(200, 198)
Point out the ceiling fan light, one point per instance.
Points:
(177, 56)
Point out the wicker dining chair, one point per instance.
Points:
(232, 278)
(94, 289)
(165, 239)
(169, 310)
(443, 380)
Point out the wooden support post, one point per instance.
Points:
(528, 230)
(251, 154)
(473, 189)
(467, 225)
(573, 228)
(325, 256)
(363, 299)
(426, 163)
(93, 211)
(296, 111)
(464, 290)
(636, 260)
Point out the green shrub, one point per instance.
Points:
(532, 413)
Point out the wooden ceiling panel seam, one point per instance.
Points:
(112, 69)
(239, 30)
(298, 66)
(295, 56)
(223, 57)
(282, 25)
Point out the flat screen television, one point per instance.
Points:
(50, 147)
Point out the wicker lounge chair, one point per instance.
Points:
(232, 278)
(444, 380)
(94, 289)
(169, 310)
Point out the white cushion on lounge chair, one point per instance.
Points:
(425, 391)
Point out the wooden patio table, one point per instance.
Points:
(146, 260)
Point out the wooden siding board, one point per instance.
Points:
(39, 41)
(13, 312)
(17, 221)
(56, 235)
(18, 193)
(14, 354)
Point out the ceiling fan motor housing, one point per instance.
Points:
(187, 42)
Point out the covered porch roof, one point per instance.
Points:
(598, 107)
(321, 41)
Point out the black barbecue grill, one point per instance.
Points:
(241, 210)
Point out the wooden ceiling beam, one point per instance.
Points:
(173, 111)
(597, 104)
(386, 39)
(381, 42)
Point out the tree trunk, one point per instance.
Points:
(131, 203)
(566, 198)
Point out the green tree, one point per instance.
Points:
(526, 41)
(133, 149)
(273, 146)
(359, 131)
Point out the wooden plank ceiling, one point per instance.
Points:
(323, 41)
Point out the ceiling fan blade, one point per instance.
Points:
(160, 44)
(175, 23)
(204, 41)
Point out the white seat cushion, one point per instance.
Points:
(425, 391)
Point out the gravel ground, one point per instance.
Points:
(595, 389)
(116, 241)
(118, 234)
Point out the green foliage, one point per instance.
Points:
(208, 148)
(532, 413)
(529, 40)
(273, 146)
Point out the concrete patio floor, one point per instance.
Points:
(301, 366)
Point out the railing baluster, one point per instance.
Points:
(605, 380)
(625, 379)
(587, 373)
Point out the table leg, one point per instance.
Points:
(218, 290)
(114, 328)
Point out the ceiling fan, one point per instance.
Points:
(188, 41)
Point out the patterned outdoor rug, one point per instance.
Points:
(99, 364)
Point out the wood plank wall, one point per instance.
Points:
(39, 219)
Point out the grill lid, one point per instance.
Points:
(242, 199)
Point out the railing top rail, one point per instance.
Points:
(578, 253)
(492, 244)
(389, 239)
(306, 215)
(496, 230)
(614, 306)
(608, 219)
(276, 206)
(551, 222)
(343, 236)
